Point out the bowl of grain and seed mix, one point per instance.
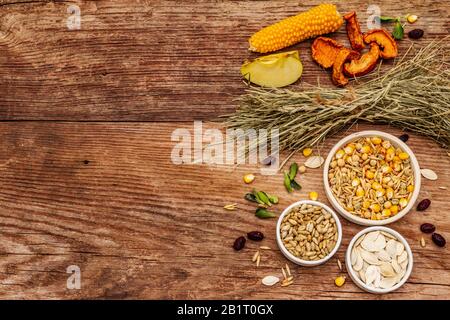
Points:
(308, 233)
(372, 178)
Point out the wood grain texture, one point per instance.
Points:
(141, 227)
(150, 60)
(86, 178)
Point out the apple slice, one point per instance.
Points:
(275, 70)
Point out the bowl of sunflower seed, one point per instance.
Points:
(371, 178)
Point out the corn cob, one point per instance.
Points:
(319, 20)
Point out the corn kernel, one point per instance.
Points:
(394, 209)
(410, 188)
(403, 202)
(396, 159)
(313, 195)
(359, 192)
(302, 169)
(376, 140)
(364, 156)
(366, 204)
(387, 204)
(339, 281)
(307, 152)
(375, 207)
(356, 182)
(380, 192)
(386, 144)
(412, 18)
(366, 149)
(349, 150)
(339, 154)
(341, 162)
(248, 178)
(403, 155)
(386, 213)
(370, 175)
(386, 169)
(376, 186)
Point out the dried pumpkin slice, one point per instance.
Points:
(387, 44)
(343, 56)
(354, 31)
(366, 63)
(275, 70)
(324, 51)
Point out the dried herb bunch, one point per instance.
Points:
(414, 95)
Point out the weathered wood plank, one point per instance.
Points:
(149, 60)
(141, 227)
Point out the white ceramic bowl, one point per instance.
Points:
(355, 277)
(293, 258)
(395, 142)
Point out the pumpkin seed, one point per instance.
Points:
(429, 174)
(378, 263)
(270, 280)
(314, 162)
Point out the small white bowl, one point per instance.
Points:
(293, 258)
(395, 142)
(356, 278)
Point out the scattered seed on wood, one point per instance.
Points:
(288, 270)
(265, 248)
(339, 264)
(422, 242)
(429, 174)
(314, 162)
(230, 207)
(284, 273)
(258, 260)
(286, 283)
(255, 256)
(270, 280)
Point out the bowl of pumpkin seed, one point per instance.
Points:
(379, 260)
(308, 233)
(372, 178)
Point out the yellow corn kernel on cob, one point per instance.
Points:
(317, 21)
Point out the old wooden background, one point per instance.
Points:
(85, 141)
